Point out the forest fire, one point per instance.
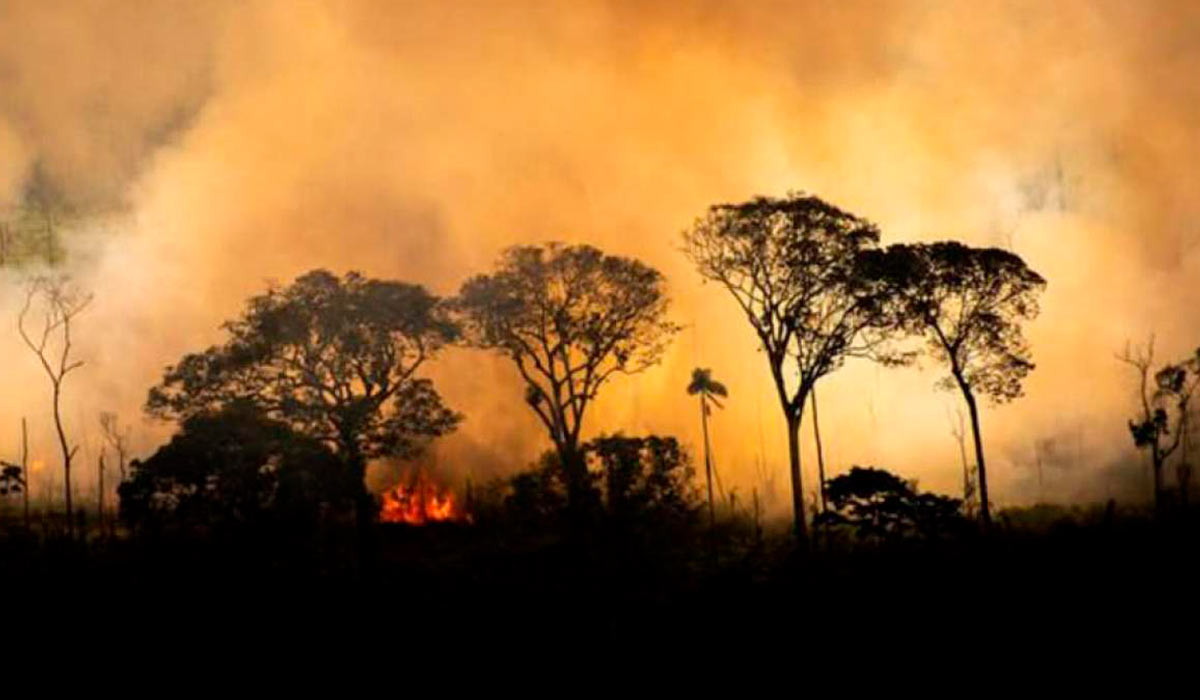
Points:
(420, 501)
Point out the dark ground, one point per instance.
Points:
(1114, 582)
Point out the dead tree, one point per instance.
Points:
(117, 438)
(60, 301)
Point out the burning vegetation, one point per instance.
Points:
(420, 500)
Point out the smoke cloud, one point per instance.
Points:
(213, 146)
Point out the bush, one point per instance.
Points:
(878, 505)
(632, 481)
(233, 468)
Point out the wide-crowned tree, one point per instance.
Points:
(968, 304)
(569, 317)
(793, 265)
(335, 359)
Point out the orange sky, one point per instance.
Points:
(221, 144)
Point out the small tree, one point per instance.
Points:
(708, 389)
(60, 301)
(336, 359)
(879, 505)
(1165, 400)
(231, 468)
(794, 267)
(569, 317)
(968, 304)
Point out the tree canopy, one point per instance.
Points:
(969, 303)
(336, 359)
(569, 317)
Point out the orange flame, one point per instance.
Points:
(419, 502)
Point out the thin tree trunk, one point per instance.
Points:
(100, 491)
(25, 471)
(712, 517)
(799, 524)
(820, 451)
(984, 508)
(1158, 465)
(67, 455)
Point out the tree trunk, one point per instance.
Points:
(574, 469)
(984, 507)
(25, 471)
(100, 491)
(799, 524)
(1158, 461)
(820, 451)
(66, 452)
(364, 503)
(712, 517)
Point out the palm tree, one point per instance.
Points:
(708, 389)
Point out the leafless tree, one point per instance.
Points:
(58, 300)
(117, 438)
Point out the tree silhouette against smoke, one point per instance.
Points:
(569, 317)
(233, 467)
(334, 359)
(708, 389)
(60, 302)
(1156, 430)
(880, 506)
(968, 304)
(793, 265)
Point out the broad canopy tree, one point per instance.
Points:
(334, 359)
(794, 265)
(968, 304)
(570, 317)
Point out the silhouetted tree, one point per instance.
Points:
(880, 505)
(12, 478)
(334, 359)
(60, 301)
(793, 265)
(569, 317)
(968, 304)
(708, 389)
(644, 478)
(234, 467)
(1169, 390)
(631, 482)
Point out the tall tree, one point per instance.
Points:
(335, 359)
(59, 301)
(708, 389)
(968, 304)
(793, 265)
(569, 317)
(1165, 397)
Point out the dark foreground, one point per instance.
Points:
(476, 588)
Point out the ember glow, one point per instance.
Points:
(418, 501)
